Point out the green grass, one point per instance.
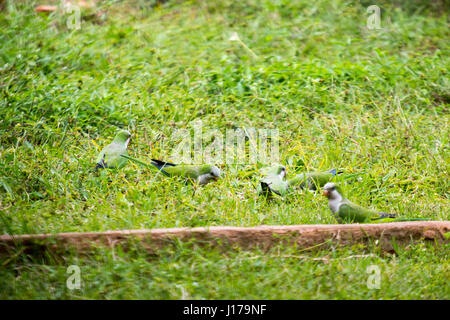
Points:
(186, 271)
(342, 96)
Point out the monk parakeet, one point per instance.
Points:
(110, 156)
(201, 174)
(311, 180)
(273, 181)
(348, 212)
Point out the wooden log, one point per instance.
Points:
(45, 8)
(304, 236)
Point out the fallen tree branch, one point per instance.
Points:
(304, 236)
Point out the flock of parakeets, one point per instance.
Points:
(272, 182)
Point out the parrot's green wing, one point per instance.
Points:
(310, 180)
(320, 179)
(111, 156)
(191, 172)
(350, 212)
(300, 180)
(273, 183)
(273, 180)
(100, 158)
(186, 171)
(201, 174)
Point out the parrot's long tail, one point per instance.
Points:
(386, 215)
(410, 219)
(382, 216)
(143, 163)
(335, 171)
(351, 175)
(161, 165)
(100, 166)
(387, 219)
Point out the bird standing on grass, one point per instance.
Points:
(110, 156)
(346, 211)
(273, 181)
(201, 174)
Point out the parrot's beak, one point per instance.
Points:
(326, 193)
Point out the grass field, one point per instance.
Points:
(186, 271)
(342, 96)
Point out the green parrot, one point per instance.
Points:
(348, 212)
(312, 180)
(110, 156)
(201, 174)
(273, 181)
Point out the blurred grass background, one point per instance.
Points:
(373, 101)
(341, 96)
